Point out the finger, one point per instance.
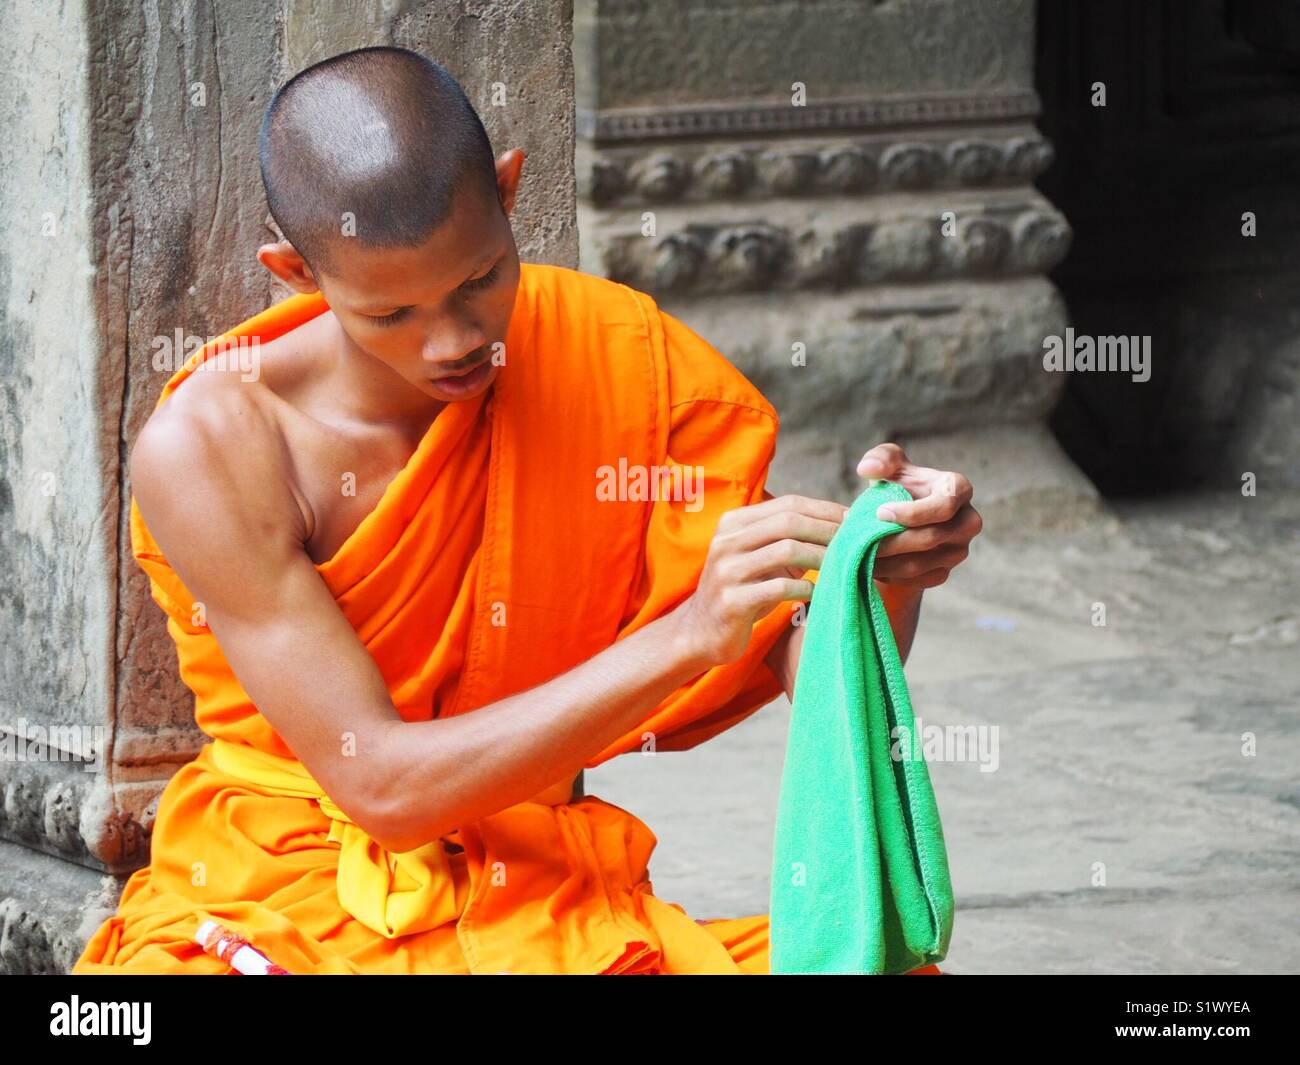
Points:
(779, 558)
(769, 594)
(884, 461)
(821, 509)
(787, 526)
(959, 529)
(914, 565)
(916, 541)
(947, 494)
(930, 579)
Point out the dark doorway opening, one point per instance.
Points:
(1196, 146)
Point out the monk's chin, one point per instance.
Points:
(458, 389)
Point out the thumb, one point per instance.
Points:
(884, 461)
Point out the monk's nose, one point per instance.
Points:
(450, 349)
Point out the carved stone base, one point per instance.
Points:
(952, 371)
(48, 909)
(1024, 482)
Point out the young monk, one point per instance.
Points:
(409, 617)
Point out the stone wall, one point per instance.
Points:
(133, 207)
(840, 198)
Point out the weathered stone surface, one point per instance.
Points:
(48, 909)
(1014, 497)
(58, 518)
(129, 218)
(699, 52)
(913, 363)
(901, 358)
(849, 164)
(831, 246)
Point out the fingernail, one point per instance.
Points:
(872, 466)
(885, 514)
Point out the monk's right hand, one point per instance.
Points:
(756, 561)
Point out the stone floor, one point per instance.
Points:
(1120, 749)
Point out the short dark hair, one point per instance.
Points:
(384, 133)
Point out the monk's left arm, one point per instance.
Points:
(902, 604)
(783, 658)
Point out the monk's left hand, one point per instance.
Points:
(940, 521)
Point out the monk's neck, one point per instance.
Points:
(368, 391)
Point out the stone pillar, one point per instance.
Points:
(839, 197)
(132, 208)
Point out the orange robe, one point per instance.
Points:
(490, 565)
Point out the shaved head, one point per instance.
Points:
(376, 142)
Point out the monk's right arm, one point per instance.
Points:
(464, 767)
(231, 527)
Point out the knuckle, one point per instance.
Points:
(791, 522)
(724, 541)
(911, 567)
(726, 569)
(728, 602)
(931, 537)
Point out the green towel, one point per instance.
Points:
(859, 872)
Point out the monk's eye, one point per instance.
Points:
(390, 319)
(486, 281)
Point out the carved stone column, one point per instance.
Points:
(839, 197)
(132, 207)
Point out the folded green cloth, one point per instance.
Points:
(860, 871)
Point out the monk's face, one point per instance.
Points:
(433, 314)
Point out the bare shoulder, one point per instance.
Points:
(213, 461)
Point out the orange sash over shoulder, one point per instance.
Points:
(495, 560)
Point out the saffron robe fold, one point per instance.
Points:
(491, 564)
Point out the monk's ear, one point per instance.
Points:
(283, 260)
(509, 166)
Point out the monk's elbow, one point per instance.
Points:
(407, 794)
(371, 811)
(395, 820)
(394, 843)
(361, 808)
(396, 830)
